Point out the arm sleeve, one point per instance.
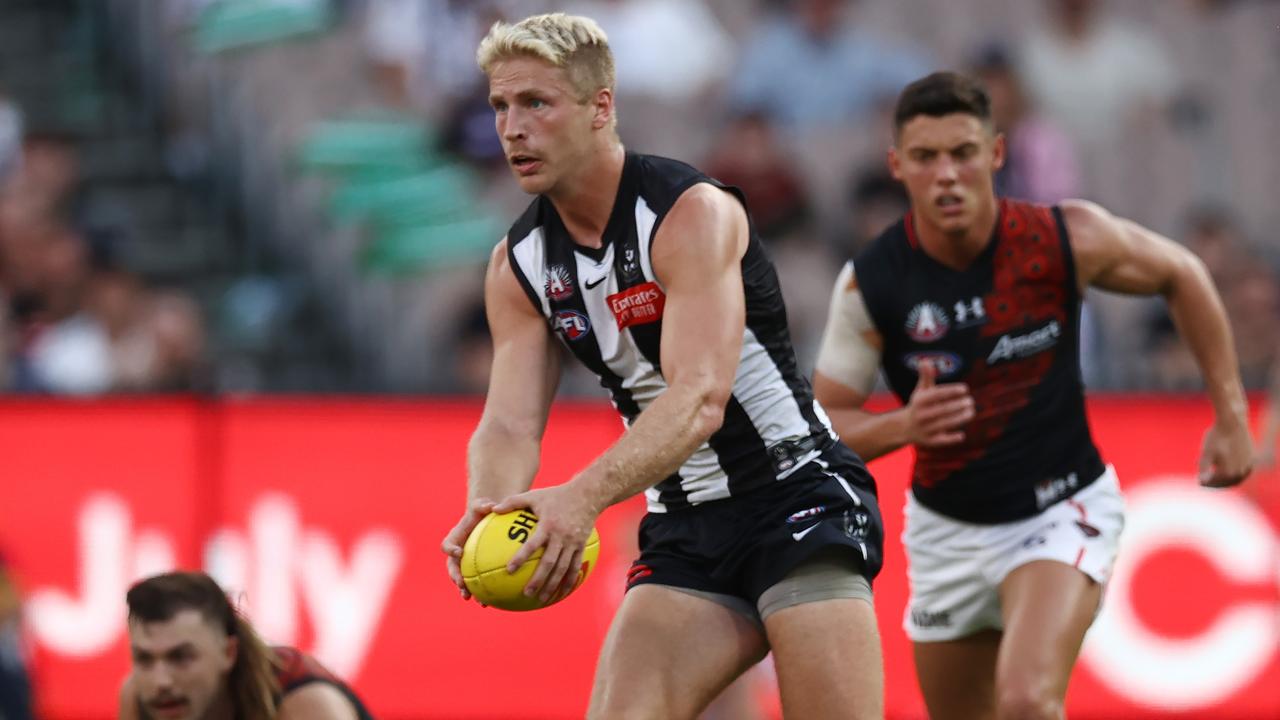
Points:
(846, 354)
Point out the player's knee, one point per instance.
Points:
(625, 704)
(1025, 700)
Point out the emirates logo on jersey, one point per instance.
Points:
(557, 283)
(927, 322)
(638, 305)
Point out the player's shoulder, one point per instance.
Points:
(890, 248)
(1089, 226)
(655, 169)
(525, 224)
(317, 700)
(1084, 215)
(661, 181)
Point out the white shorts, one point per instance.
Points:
(955, 567)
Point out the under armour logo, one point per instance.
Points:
(970, 310)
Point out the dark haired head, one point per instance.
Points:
(160, 598)
(941, 94)
(252, 682)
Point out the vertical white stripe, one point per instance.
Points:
(529, 252)
(645, 218)
(765, 396)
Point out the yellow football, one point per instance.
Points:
(489, 548)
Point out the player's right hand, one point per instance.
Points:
(935, 413)
(457, 537)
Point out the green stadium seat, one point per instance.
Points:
(230, 24)
(410, 250)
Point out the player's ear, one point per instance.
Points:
(602, 103)
(894, 161)
(231, 651)
(998, 150)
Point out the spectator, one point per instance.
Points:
(10, 137)
(1092, 74)
(15, 686)
(749, 156)
(472, 351)
(806, 68)
(669, 50)
(67, 349)
(1249, 292)
(876, 201)
(1040, 163)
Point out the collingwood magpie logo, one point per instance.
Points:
(630, 265)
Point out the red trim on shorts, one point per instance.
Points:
(1079, 508)
(1079, 557)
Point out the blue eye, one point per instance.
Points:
(536, 103)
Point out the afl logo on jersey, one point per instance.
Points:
(557, 283)
(927, 322)
(572, 325)
(944, 362)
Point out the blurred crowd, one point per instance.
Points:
(790, 101)
(74, 320)
(1164, 111)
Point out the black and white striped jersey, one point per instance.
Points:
(606, 306)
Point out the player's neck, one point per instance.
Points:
(585, 200)
(222, 708)
(959, 250)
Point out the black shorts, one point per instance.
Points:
(743, 545)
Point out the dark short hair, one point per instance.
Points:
(939, 94)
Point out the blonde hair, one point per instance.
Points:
(572, 42)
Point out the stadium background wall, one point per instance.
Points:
(325, 517)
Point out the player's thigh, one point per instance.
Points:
(827, 658)
(1047, 608)
(669, 653)
(957, 677)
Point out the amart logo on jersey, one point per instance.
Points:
(1011, 346)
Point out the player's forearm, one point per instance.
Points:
(500, 462)
(656, 445)
(1202, 322)
(870, 434)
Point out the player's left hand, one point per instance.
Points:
(565, 520)
(1227, 456)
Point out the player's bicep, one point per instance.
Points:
(526, 366)
(697, 256)
(849, 355)
(1119, 255)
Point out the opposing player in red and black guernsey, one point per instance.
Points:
(971, 306)
(763, 531)
(195, 657)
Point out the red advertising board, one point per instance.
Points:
(324, 518)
